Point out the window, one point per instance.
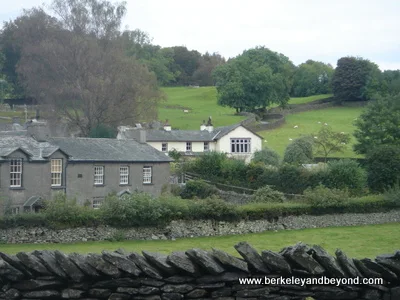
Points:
(97, 202)
(240, 145)
(188, 146)
(147, 174)
(16, 172)
(164, 147)
(15, 210)
(98, 175)
(123, 175)
(206, 146)
(56, 172)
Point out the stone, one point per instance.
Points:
(99, 293)
(32, 285)
(146, 268)
(48, 259)
(347, 264)
(341, 295)
(383, 271)
(72, 294)
(298, 254)
(230, 262)
(276, 262)
(224, 292)
(224, 277)
(171, 296)
(180, 261)
(48, 294)
(392, 264)
(118, 296)
(327, 261)
(197, 293)
(9, 272)
(178, 288)
(80, 261)
(121, 262)
(33, 264)
(160, 262)
(69, 267)
(206, 261)
(151, 282)
(371, 295)
(152, 297)
(368, 273)
(395, 293)
(16, 263)
(148, 290)
(104, 267)
(179, 279)
(252, 257)
(262, 292)
(12, 294)
(119, 282)
(128, 290)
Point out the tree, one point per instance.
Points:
(312, 78)
(328, 141)
(391, 80)
(207, 63)
(356, 79)
(379, 124)
(267, 157)
(300, 151)
(255, 79)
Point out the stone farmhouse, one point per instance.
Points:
(82, 168)
(236, 140)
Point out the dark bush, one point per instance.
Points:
(212, 208)
(254, 173)
(321, 196)
(300, 151)
(267, 195)
(233, 172)
(266, 156)
(269, 176)
(209, 165)
(292, 179)
(24, 220)
(199, 189)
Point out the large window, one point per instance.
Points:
(206, 146)
(164, 147)
(56, 172)
(188, 146)
(16, 172)
(98, 175)
(147, 175)
(123, 175)
(240, 145)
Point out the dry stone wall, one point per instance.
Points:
(195, 274)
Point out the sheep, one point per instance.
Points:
(326, 124)
(290, 139)
(296, 126)
(319, 122)
(315, 137)
(185, 111)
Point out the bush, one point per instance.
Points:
(267, 195)
(292, 179)
(199, 189)
(346, 174)
(212, 208)
(24, 220)
(300, 151)
(234, 172)
(321, 196)
(383, 167)
(209, 165)
(392, 194)
(269, 176)
(253, 174)
(176, 189)
(266, 156)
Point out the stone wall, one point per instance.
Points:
(197, 274)
(181, 229)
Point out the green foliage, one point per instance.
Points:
(198, 189)
(391, 82)
(103, 131)
(321, 196)
(254, 173)
(392, 194)
(233, 171)
(176, 189)
(383, 167)
(328, 141)
(212, 208)
(379, 124)
(25, 220)
(209, 165)
(175, 154)
(346, 174)
(300, 151)
(292, 179)
(266, 194)
(355, 79)
(118, 236)
(267, 156)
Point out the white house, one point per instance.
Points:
(235, 140)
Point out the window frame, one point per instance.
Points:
(164, 145)
(96, 176)
(15, 210)
(188, 146)
(99, 201)
(53, 172)
(18, 173)
(238, 145)
(125, 176)
(146, 178)
(206, 146)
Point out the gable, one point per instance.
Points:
(241, 132)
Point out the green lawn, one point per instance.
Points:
(341, 119)
(358, 241)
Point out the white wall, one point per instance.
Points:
(181, 146)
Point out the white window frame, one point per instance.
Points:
(15, 210)
(206, 146)
(97, 202)
(56, 168)
(164, 147)
(16, 165)
(147, 175)
(240, 145)
(123, 175)
(98, 175)
(188, 146)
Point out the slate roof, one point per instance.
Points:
(108, 150)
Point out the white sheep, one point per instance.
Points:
(296, 126)
(315, 137)
(319, 122)
(343, 143)
(290, 139)
(342, 132)
(326, 124)
(185, 111)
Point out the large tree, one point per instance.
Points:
(391, 80)
(255, 79)
(356, 79)
(379, 124)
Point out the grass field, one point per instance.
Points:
(357, 241)
(341, 119)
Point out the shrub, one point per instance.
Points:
(292, 179)
(176, 189)
(253, 174)
(212, 208)
(266, 156)
(199, 189)
(300, 151)
(209, 165)
(392, 194)
(233, 172)
(321, 196)
(346, 173)
(267, 195)
(383, 167)
(24, 220)
(269, 176)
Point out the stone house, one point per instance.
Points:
(82, 168)
(235, 140)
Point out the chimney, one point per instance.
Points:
(142, 136)
(167, 127)
(203, 126)
(210, 127)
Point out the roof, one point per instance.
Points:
(108, 150)
(33, 200)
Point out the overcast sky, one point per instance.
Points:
(300, 29)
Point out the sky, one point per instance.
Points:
(300, 29)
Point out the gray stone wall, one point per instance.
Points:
(180, 229)
(197, 274)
